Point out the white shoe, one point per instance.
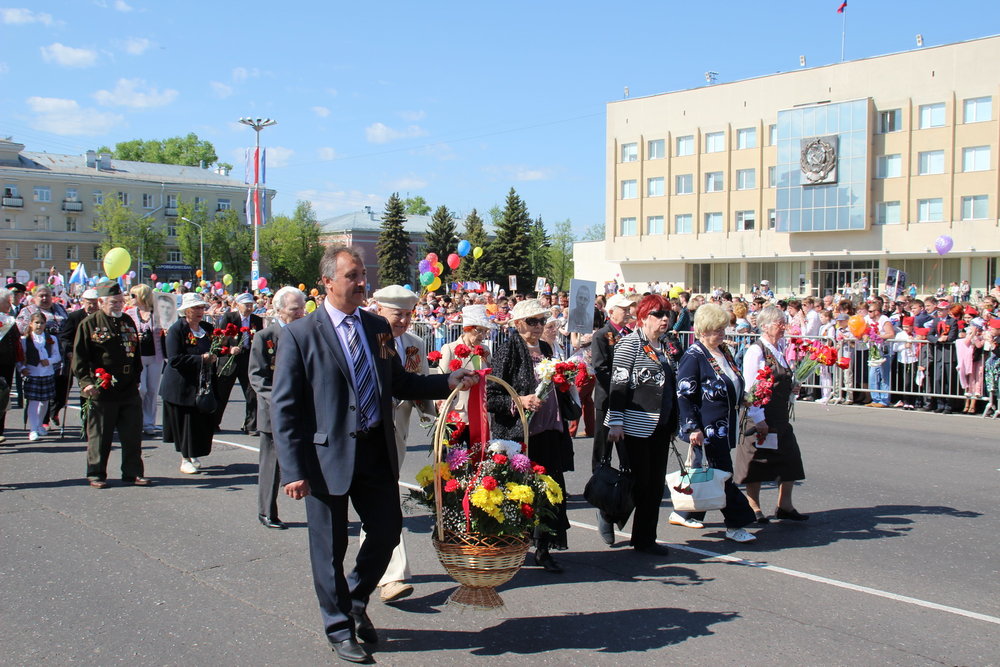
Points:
(188, 468)
(33, 436)
(395, 590)
(677, 520)
(739, 535)
(196, 463)
(823, 401)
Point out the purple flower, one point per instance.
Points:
(458, 458)
(520, 463)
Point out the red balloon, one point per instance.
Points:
(152, 276)
(431, 257)
(218, 284)
(436, 270)
(454, 260)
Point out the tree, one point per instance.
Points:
(188, 151)
(440, 238)
(124, 228)
(393, 246)
(416, 206)
(510, 253)
(594, 233)
(541, 264)
(230, 241)
(475, 233)
(293, 248)
(561, 254)
(188, 238)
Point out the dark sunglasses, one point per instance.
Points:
(534, 321)
(659, 314)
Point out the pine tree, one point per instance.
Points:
(510, 252)
(475, 233)
(541, 263)
(440, 238)
(393, 246)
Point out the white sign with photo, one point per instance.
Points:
(581, 306)
(166, 309)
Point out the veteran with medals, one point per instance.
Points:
(107, 367)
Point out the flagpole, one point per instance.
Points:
(257, 124)
(843, 34)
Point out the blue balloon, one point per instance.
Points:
(464, 248)
(408, 286)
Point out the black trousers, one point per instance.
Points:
(7, 374)
(105, 417)
(600, 439)
(375, 497)
(267, 478)
(224, 387)
(737, 512)
(647, 458)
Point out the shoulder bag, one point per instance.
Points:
(205, 399)
(610, 490)
(697, 489)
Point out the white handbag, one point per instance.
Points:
(697, 489)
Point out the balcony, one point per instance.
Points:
(170, 212)
(71, 205)
(13, 202)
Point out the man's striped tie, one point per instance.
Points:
(363, 375)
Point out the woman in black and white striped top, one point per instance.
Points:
(642, 414)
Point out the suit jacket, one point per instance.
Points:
(416, 363)
(314, 402)
(263, 352)
(602, 356)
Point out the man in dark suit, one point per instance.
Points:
(244, 318)
(331, 416)
(602, 357)
(289, 305)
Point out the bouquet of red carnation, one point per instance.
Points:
(222, 339)
(467, 355)
(104, 381)
(760, 393)
(433, 358)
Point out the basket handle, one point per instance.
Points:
(439, 428)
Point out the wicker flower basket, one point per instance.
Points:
(478, 562)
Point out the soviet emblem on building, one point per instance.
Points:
(819, 160)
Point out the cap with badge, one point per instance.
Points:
(109, 288)
(396, 296)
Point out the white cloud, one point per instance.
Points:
(66, 117)
(519, 173)
(278, 156)
(379, 133)
(412, 116)
(408, 183)
(326, 153)
(137, 45)
(220, 90)
(122, 6)
(67, 56)
(322, 112)
(127, 94)
(327, 203)
(241, 74)
(14, 16)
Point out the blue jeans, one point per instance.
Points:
(878, 381)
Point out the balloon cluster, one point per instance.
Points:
(430, 268)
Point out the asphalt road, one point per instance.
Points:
(897, 566)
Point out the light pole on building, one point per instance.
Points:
(257, 124)
(201, 245)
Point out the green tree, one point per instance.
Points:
(440, 238)
(510, 251)
(594, 233)
(189, 151)
(188, 238)
(393, 246)
(292, 247)
(124, 228)
(541, 264)
(561, 254)
(475, 233)
(230, 241)
(416, 206)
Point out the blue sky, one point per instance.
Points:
(455, 102)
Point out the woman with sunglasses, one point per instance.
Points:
(514, 362)
(642, 414)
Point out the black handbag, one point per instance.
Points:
(610, 490)
(205, 399)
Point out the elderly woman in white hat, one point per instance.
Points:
(514, 362)
(475, 326)
(190, 363)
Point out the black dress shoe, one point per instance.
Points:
(351, 651)
(760, 518)
(790, 515)
(654, 549)
(364, 628)
(545, 561)
(267, 522)
(138, 481)
(605, 529)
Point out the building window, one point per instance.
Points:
(224, 205)
(931, 115)
(97, 252)
(889, 166)
(147, 200)
(70, 224)
(123, 198)
(683, 223)
(171, 201)
(654, 224)
(98, 197)
(172, 231)
(10, 221)
(745, 220)
(43, 251)
(199, 203)
(887, 213)
(713, 181)
(746, 138)
(12, 251)
(174, 256)
(772, 177)
(630, 152)
(654, 187)
(72, 251)
(72, 194)
(977, 109)
(976, 158)
(713, 222)
(746, 179)
(772, 135)
(976, 207)
(683, 184)
(628, 227)
(656, 149)
(10, 190)
(43, 194)
(685, 146)
(715, 142)
(771, 218)
(890, 121)
(930, 210)
(42, 222)
(630, 189)
(930, 162)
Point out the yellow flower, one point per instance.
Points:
(488, 501)
(426, 475)
(445, 471)
(552, 490)
(520, 493)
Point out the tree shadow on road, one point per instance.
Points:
(625, 631)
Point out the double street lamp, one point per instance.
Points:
(201, 244)
(257, 124)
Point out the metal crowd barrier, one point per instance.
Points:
(436, 336)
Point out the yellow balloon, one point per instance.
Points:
(310, 306)
(434, 285)
(676, 292)
(116, 262)
(439, 266)
(227, 279)
(477, 252)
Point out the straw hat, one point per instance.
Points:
(191, 299)
(475, 316)
(528, 308)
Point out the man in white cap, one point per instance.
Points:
(248, 324)
(395, 304)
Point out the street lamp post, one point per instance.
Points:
(201, 245)
(257, 124)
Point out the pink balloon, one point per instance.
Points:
(454, 260)
(152, 276)
(436, 270)
(431, 257)
(262, 283)
(218, 284)
(943, 244)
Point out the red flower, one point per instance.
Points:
(451, 485)
(559, 379)
(462, 351)
(844, 362)
(499, 459)
(434, 356)
(538, 469)
(489, 483)
(454, 364)
(244, 329)
(224, 350)
(218, 332)
(527, 510)
(453, 416)
(581, 367)
(479, 351)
